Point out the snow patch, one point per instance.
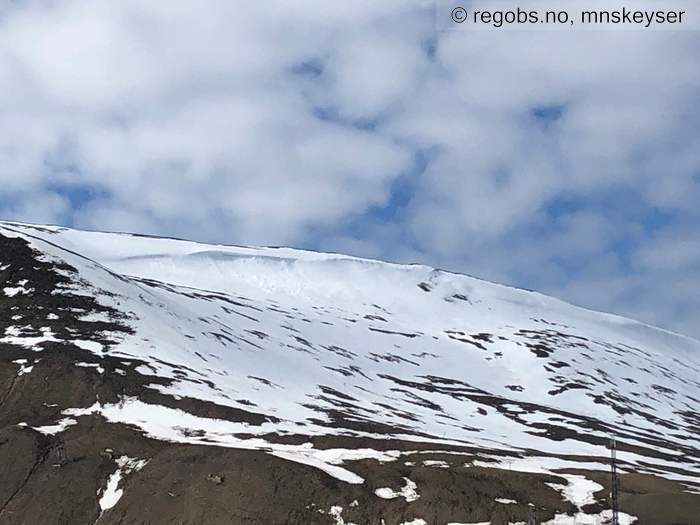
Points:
(408, 492)
(590, 519)
(175, 425)
(23, 367)
(13, 336)
(112, 493)
(60, 426)
(91, 346)
(337, 513)
(578, 490)
(11, 291)
(96, 366)
(435, 463)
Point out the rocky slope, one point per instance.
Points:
(150, 380)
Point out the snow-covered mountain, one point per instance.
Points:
(411, 395)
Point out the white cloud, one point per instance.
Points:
(291, 122)
(672, 252)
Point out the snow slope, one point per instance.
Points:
(338, 345)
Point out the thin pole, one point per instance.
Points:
(614, 482)
(531, 515)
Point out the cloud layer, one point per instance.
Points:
(566, 162)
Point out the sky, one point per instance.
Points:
(566, 162)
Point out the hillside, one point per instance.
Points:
(154, 380)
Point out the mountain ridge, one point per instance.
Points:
(375, 376)
(342, 256)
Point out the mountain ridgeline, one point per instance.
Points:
(151, 380)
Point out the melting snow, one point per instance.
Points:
(171, 424)
(91, 346)
(23, 368)
(231, 322)
(590, 519)
(337, 513)
(434, 463)
(17, 290)
(91, 365)
(13, 336)
(408, 492)
(537, 464)
(579, 490)
(60, 426)
(112, 493)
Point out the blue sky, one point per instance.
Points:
(567, 162)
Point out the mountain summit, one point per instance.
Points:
(153, 380)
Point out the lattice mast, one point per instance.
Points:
(614, 482)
